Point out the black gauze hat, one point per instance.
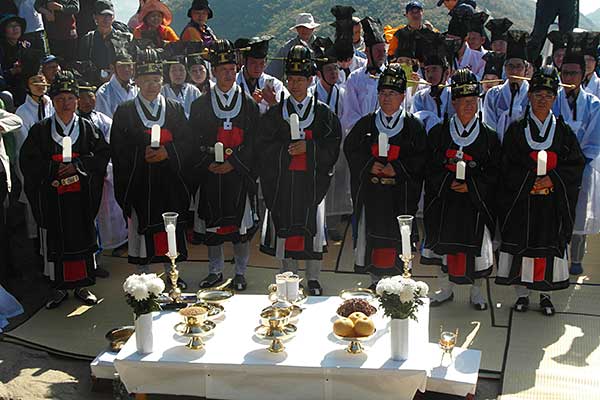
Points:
(393, 77)
(575, 54)
(545, 78)
(343, 25)
(517, 45)
(499, 28)
(464, 83)
(406, 44)
(299, 61)
(372, 31)
(65, 82)
(222, 52)
(259, 47)
(149, 62)
(476, 23)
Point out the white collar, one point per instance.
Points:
(114, 81)
(393, 127)
(65, 127)
(304, 103)
(534, 144)
(469, 125)
(230, 94)
(161, 110)
(472, 129)
(71, 129)
(308, 120)
(153, 106)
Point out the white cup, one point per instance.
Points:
(292, 287)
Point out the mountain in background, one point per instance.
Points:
(243, 18)
(594, 17)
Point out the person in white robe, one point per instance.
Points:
(177, 88)
(37, 106)
(581, 111)
(591, 81)
(507, 103)
(119, 88)
(464, 56)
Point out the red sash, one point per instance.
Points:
(450, 155)
(298, 162)
(552, 160)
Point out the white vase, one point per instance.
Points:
(399, 339)
(144, 339)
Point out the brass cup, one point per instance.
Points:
(194, 318)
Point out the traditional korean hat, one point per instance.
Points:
(200, 5)
(222, 52)
(86, 87)
(458, 26)
(149, 62)
(406, 44)
(494, 63)
(299, 61)
(432, 48)
(257, 47)
(343, 24)
(576, 44)
(324, 52)
(64, 82)
(558, 39)
(476, 23)
(517, 45)
(499, 28)
(393, 77)
(372, 31)
(464, 83)
(545, 78)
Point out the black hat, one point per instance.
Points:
(591, 44)
(471, 3)
(299, 61)
(175, 52)
(149, 62)
(200, 5)
(463, 10)
(476, 23)
(517, 45)
(464, 83)
(343, 24)
(122, 56)
(494, 63)
(259, 47)
(324, 52)
(241, 43)
(559, 40)
(432, 48)
(104, 7)
(406, 44)
(458, 26)
(64, 82)
(222, 52)
(545, 78)
(499, 28)
(6, 18)
(393, 77)
(372, 31)
(85, 86)
(577, 41)
(31, 62)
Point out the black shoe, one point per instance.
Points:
(480, 306)
(57, 297)
(334, 235)
(181, 284)
(101, 272)
(430, 261)
(211, 280)
(120, 251)
(86, 296)
(546, 305)
(314, 288)
(437, 303)
(522, 304)
(239, 283)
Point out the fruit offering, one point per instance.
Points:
(356, 325)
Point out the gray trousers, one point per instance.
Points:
(216, 260)
(313, 268)
(578, 247)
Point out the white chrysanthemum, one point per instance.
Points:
(380, 288)
(407, 294)
(422, 288)
(131, 282)
(156, 286)
(140, 292)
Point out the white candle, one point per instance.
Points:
(219, 153)
(67, 151)
(461, 168)
(295, 127)
(542, 163)
(171, 240)
(155, 138)
(383, 145)
(405, 233)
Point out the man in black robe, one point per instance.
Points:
(537, 205)
(65, 193)
(385, 182)
(460, 184)
(149, 181)
(295, 171)
(225, 123)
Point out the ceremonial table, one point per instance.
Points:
(315, 365)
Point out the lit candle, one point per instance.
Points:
(171, 240)
(405, 233)
(67, 151)
(461, 167)
(295, 127)
(383, 145)
(542, 163)
(155, 138)
(219, 153)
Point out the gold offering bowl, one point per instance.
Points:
(195, 326)
(275, 319)
(355, 346)
(118, 337)
(275, 326)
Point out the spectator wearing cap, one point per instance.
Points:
(414, 18)
(60, 25)
(305, 26)
(12, 49)
(119, 88)
(156, 18)
(50, 67)
(34, 30)
(197, 30)
(99, 47)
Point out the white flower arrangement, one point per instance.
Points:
(400, 297)
(142, 292)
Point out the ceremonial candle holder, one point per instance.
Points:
(405, 223)
(170, 218)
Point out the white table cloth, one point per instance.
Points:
(235, 364)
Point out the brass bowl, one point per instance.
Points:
(194, 315)
(355, 347)
(117, 337)
(214, 296)
(214, 310)
(357, 293)
(275, 318)
(276, 336)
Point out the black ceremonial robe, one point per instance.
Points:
(379, 200)
(151, 189)
(455, 222)
(66, 208)
(536, 228)
(294, 187)
(225, 198)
